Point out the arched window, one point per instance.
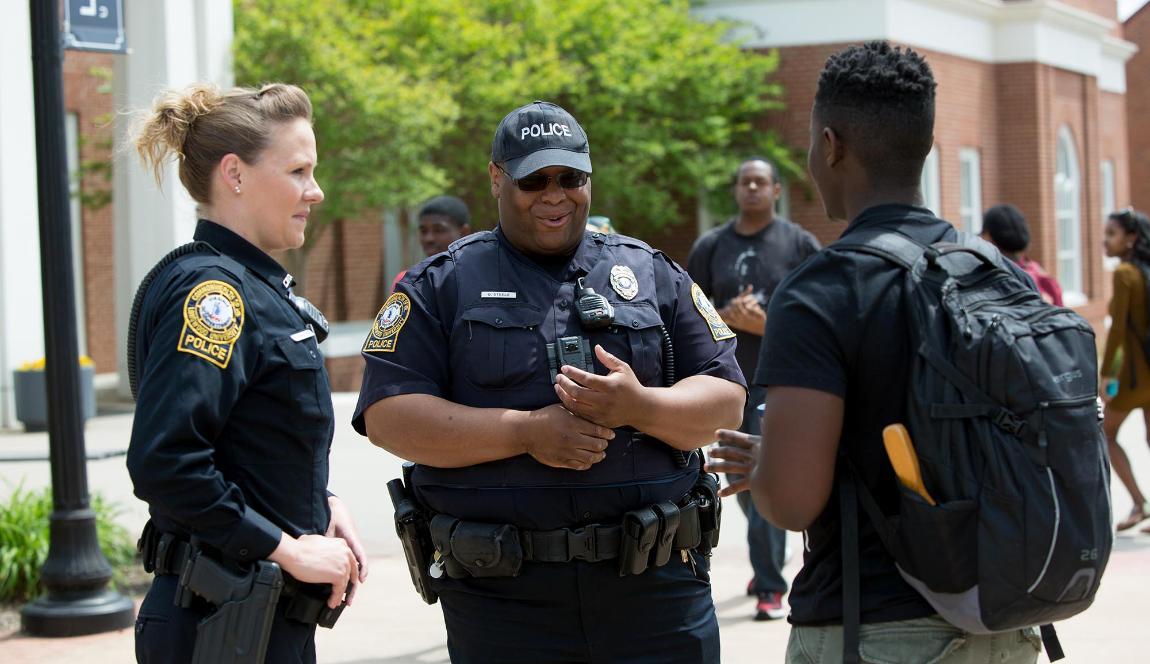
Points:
(1068, 217)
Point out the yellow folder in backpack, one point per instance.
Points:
(900, 450)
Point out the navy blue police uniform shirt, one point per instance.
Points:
(837, 324)
(234, 418)
(472, 325)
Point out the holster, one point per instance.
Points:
(414, 534)
(237, 631)
(710, 506)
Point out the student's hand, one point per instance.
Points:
(739, 453)
(744, 313)
(610, 401)
(342, 525)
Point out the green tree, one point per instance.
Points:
(667, 100)
(376, 125)
(408, 94)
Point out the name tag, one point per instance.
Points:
(303, 334)
(498, 295)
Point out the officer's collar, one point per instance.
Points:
(880, 215)
(248, 254)
(584, 258)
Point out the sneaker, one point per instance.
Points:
(751, 587)
(770, 607)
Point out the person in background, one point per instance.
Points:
(739, 265)
(1127, 387)
(1006, 228)
(599, 224)
(442, 220)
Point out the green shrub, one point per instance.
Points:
(24, 541)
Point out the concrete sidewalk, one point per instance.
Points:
(390, 624)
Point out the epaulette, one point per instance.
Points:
(617, 240)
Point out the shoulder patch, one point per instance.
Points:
(387, 324)
(719, 330)
(213, 321)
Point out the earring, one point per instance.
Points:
(237, 189)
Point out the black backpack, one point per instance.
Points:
(1003, 413)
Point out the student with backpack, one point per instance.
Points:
(905, 321)
(1127, 387)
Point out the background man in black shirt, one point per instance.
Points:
(836, 361)
(739, 265)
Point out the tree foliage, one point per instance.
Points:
(408, 94)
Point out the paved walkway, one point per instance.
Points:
(390, 624)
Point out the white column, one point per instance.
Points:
(173, 43)
(21, 304)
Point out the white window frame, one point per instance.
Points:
(1068, 218)
(1109, 203)
(929, 183)
(970, 190)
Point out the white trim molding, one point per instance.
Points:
(993, 31)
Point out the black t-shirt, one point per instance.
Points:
(837, 324)
(724, 263)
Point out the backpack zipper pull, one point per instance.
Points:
(967, 331)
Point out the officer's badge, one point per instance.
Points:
(388, 322)
(719, 329)
(624, 283)
(213, 320)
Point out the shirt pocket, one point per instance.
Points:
(504, 347)
(307, 381)
(637, 339)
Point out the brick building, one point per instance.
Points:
(1137, 30)
(1031, 111)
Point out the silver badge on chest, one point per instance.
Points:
(624, 283)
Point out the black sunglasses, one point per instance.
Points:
(538, 181)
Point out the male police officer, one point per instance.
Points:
(525, 371)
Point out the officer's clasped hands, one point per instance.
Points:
(610, 401)
(559, 438)
(318, 559)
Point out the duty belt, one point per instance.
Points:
(168, 553)
(596, 542)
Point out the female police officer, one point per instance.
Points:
(521, 395)
(234, 418)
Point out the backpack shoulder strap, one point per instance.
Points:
(890, 245)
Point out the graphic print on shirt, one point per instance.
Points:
(747, 272)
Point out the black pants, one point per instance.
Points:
(166, 634)
(583, 612)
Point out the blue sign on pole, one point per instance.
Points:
(94, 25)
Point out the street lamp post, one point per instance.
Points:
(75, 576)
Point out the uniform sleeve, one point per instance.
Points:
(808, 330)
(1119, 318)
(406, 351)
(184, 401)
(697, 350)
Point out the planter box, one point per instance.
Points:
(31, 391)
